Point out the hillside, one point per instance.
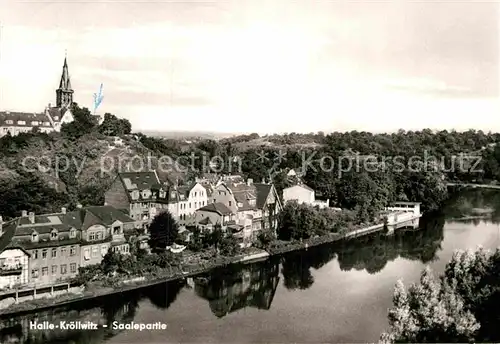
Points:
(70, 166)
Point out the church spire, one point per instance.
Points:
(64, 94)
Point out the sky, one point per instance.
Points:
(261, 66)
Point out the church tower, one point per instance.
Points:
(64, 94)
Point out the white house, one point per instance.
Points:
(14, 267)
(302, 193)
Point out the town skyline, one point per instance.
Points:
(265, 67)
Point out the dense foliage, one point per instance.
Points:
(461, 306)
(163, 231)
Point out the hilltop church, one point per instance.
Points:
(50, 119)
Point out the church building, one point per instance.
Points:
(50, 119)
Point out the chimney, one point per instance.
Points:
(249, 181)
(63, 210)
(24, 213)
(31, 216)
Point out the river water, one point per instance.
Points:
(333, 293)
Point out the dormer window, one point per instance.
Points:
(46, 124)
(162, 194)
(172, 194)
(21, 122)
(9, 121)
(146, 193)
(34, 237)
(135, 195)
(56, 118)
(53, 235)
(72, 233)
(240, 204)
(34, 122)
(252, 202)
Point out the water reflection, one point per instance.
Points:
(370, 253)
(120, 307)
(474, 202)
(232, 288)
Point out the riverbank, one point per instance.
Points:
(189, 267)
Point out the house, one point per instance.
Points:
(51, 119)
(302, 193)
(248, 200)
(58, 244)
(103, 228)
(14, 261)
(212, 214)
(141, 194)
(190, 198)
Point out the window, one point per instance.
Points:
(54, 253)
(116, 230)
(195, 204)
(72, 251)
(98, 236)
(91, 236)
(189, 205)
(21, 122)
(34, 123)
(229, 203)
(34, 237)
(9, 121)
(46, 123)
(125, 248)
(195, 194)
(34, 273)
(95, 251)
(72, 267)
(104, 250)
(214, 200)
(35, 254)
(63, 251)
(53, 235)
(44, 254)
(45, 271)
(72, 233)
(86, 254)
(54, 269)
(56, 118)
(63, 269)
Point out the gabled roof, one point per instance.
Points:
(303, 186)
(139, 180)
(27, 117)
(218, 208)
(108, 214)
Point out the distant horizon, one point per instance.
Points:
(260, 65)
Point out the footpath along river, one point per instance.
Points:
(333, 293)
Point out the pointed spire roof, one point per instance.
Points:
(65, 83)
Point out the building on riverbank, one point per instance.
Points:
(143, 196)
(302, 193)
(258, 202)
(58, 244)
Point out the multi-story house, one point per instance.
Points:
(14, 260)
(141, 194)
(190, 198)
(58, 244)
(104, 228)
(50, 119)
(53, 243)
(258, 202)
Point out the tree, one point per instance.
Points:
(163, 231)
(111, 262)
(431, 311)
(83, 123)
(216, 237)
(114, 126)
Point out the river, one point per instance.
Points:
(333, 293)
